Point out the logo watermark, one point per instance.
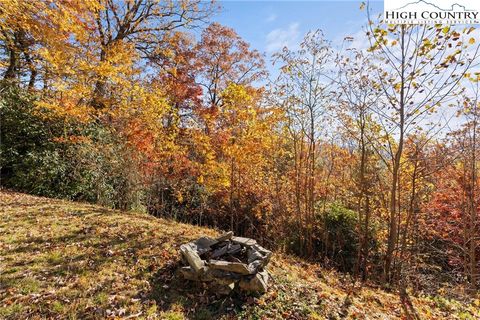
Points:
(432, 11)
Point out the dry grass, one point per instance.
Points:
(66, 260)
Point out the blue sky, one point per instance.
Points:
(269, 25)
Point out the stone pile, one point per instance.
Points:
(226, 262)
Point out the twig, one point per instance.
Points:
(133, 315)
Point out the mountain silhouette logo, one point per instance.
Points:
(453, 7)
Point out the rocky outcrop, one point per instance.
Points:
(227, 262)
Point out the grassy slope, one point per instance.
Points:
(61, 259)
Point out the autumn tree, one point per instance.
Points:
(143, 25)
(471, 111)
(176, 70)
(304, 93)
(358, 96)
(447, 225)
(244, 143)
(222, 58)
(31, 28)
(454, 204)
(421, 69)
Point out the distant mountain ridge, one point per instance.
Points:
(435, 6)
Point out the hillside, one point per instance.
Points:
(62, 259)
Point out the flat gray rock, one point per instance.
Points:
(244, 241)
(189, 274)
(204, 243)
(225, 263)
(236, 267)
(192, 257)
(219, 252)
(226, 236)
(234, 249)
(256, 283)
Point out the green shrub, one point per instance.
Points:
(340, 238)
(37, 157)
(29, 158)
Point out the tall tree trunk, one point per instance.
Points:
(392, 235)
(232, 181)
(363, 206)
(472, 234)
(99, 92)
(410, 213)
(13, 60)
(311, 190)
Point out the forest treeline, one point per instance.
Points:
(364, 159)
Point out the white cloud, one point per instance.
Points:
(279, 38)
(272, 17)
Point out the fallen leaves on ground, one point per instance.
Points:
(62, 259)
